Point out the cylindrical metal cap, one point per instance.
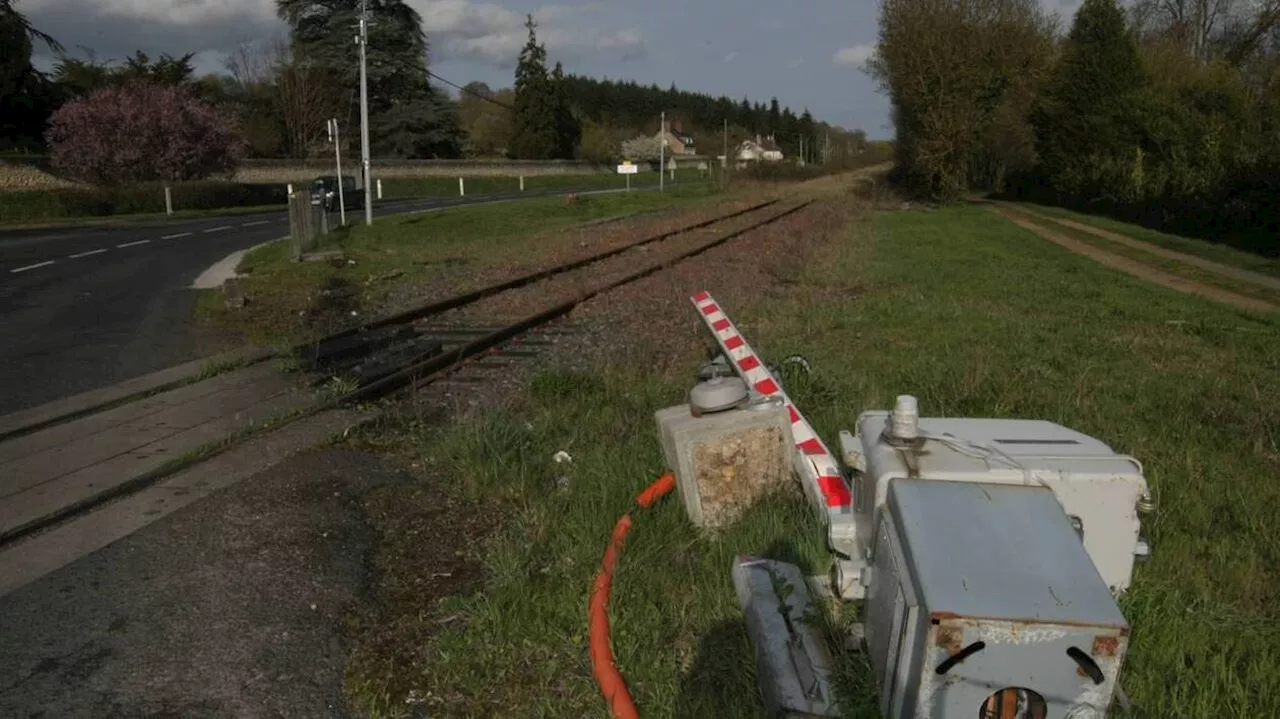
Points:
(717, 394)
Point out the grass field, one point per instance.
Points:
(974, 316)
(403, 250)
(1200, 248)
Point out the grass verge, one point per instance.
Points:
(1172, 266)
(974, 316)
(290, 301)
(408, 187)
(1199, 248)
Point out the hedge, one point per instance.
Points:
(72, 202)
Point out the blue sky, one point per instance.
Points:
(808, 53)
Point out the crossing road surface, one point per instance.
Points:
(85, 307)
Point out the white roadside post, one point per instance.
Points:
(462, 188)
(379, 188)
(337, 161)
(522, 183)
(168, 200)
(662, 154)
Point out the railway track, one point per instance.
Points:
(404, 349)
(415, 348)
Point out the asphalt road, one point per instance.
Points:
(81, 308)
(233, 607)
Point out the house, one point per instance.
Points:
(677, 140)
(759, 150)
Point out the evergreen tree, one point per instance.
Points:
(407, 116)
(568, 129)
(536, 119)
(1086, 130)
(26, 96)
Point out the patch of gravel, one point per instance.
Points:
(459, 275)
(652, 321)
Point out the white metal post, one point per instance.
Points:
(379, 188)
(168, 200)
(462, 188)
(363, 40)
(662, 154)
(336, 139)
(522, 183)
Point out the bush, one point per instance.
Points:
(72, 202)
(139, 133)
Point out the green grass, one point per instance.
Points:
(404, 187)
(405, 249)
(1199, 248)
(1171, 266)
(974, 316)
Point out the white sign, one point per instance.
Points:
(628, 169)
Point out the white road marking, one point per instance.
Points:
(218, 229)
(16, 270)
(78, 255)
(131, 244)
(254, 224)
(174, 237)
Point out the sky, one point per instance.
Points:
(807, 53)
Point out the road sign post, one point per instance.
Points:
(627, 169)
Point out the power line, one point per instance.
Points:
(482, 96)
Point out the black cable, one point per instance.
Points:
(484, 97)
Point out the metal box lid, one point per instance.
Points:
(980, 446)
(998, 551)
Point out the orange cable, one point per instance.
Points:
(607, 675)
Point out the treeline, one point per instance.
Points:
(1168, 114)
(277, 97)
(612, 111)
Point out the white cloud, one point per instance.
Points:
(856, 56)
(489, 33)
(731, 57)
(168, 12)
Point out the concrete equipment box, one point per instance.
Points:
(1101, 491)
(981, 602)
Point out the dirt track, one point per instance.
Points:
(1138, 269)
(1218, 268)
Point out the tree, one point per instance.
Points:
(407, 116)
(1086, 124)
(170, 136)
(568, 129)
(955, 72)
(536, 115)
(26, 97)
(486, 118)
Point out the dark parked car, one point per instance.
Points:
(324, 191)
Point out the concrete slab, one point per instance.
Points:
(38, 503)
(58, 410)
(237, 394)
(30, 559)
(66, 432)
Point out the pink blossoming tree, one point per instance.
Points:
(142, 132)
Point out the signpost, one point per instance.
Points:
(628, 169)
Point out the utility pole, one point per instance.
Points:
(662, 154)
(337, 161)
(726, 143)
(363, 41)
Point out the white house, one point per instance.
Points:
(759, 150)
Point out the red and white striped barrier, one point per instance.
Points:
(815, 464)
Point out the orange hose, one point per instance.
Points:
(607, 675)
